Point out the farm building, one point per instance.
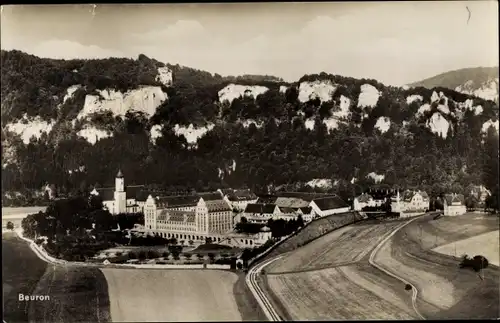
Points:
(454, 204)
(260, 213)
(325, 206)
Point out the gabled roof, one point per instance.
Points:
(306, 210)
(210, 196)
(363, 198)
(304, 195)
(106, 193)
(266, 199)
(217, 206)
(260, 208)
(134, 191)
(291, 202)
(177, 216)
(454, 198)
(177, 201)
(287, 210)
(241, 195)
(330, 203)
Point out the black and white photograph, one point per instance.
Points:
(260, 161)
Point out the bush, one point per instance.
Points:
(165, 254)
(151, 254)
(476, 263)
(119, 254)
(10, 225)
(141, 255)
(239, 265)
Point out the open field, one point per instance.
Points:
(171, 295)
(77, 294)
(14, 211)
(21, 271)
(25, 273)
(333, 294)
(486, 244)
(336, 248)
(441, 283)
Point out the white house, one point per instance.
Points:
(239, 199)
(410, 201)
(454, 204)
(362, 201)
(329, 205)
(261, 213)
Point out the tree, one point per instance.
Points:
(300, 221)
(10, 225)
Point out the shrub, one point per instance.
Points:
(476, 263)
(408, 287)
(239, 265)
(165, 254)
(10, 225)
(141, 255)
(119, 254)
(151, 254)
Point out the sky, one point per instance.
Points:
(394, 42)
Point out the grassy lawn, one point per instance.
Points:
(21, 271)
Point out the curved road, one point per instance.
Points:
(258, 293)
(270, 312)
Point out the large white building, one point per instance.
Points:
(454, 204)
(189, 217)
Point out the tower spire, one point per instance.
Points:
(120, 174)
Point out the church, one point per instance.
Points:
(121, 198)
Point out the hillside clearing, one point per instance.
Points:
(485, 244)
(171, 295)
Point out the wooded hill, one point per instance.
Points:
(282, 153)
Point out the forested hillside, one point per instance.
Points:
(479, 81)
(74, 123)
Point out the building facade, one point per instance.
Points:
(454, 204)
(191, 217)
(329, 205)
(410, 201)
(121, 199)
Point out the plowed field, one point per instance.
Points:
(341, 247)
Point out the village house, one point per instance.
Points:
(410, 201)
(261, 213)
(479, 192)
(238, 199)
(363, 201)
(454, 204)
(329, 205)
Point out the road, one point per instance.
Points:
(270, 312)
(374, 264)
(258, 293)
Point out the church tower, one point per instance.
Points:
(120, 195)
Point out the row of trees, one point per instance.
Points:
(279, 228)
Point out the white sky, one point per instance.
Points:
(393, 42)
